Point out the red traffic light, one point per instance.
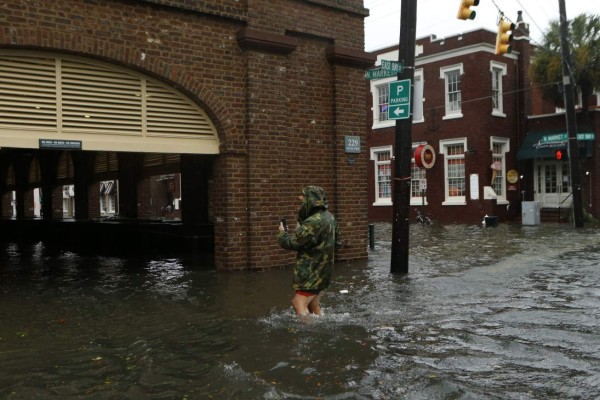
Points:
(558, 154)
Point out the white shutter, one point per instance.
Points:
(98, 99)
(47, 96)
(28, 92)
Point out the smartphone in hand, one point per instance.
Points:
(283, 220)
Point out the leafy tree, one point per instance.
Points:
(584, 46)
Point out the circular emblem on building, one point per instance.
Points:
(424, 156)
(512, 176)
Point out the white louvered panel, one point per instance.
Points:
(43, 92)
(100, 100)
(169, 114)
(28, 92)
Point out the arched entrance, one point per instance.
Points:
(95, 140)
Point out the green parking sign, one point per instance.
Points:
(399, 105)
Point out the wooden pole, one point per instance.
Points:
(573, 147)
(403, 143)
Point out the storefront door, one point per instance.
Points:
(552, 184)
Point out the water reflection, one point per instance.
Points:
(508, 312)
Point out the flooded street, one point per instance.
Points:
(510, 312)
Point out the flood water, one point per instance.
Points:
(508, 312)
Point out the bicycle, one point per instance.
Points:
(422, 219)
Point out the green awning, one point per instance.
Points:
(544, 144)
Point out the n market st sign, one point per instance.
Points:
(543, 144)
(388, 69)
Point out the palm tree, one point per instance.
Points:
(584, 40)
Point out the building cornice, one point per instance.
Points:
(253, 39)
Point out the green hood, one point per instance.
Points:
(314, 200)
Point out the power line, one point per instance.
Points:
(528, 88)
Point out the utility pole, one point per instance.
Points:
(403, 143)
(573, 147)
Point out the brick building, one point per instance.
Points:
(248, 101)
(474, 110)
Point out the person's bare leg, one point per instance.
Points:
(300, 303)
(314, 306)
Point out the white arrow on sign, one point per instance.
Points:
(398, 111)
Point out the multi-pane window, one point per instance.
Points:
(496, 89)
(498, 71)
(499, 148)
(383, 95)
(452, 81)
(384, 173)
(382, 158)
(453, 90)
(454, 165)
(108, 197)
(417, 195)
(497, 170)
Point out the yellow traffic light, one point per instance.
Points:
(464, 12)
(504, 37)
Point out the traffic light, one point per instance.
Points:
(559, 154)
(504, 36)
(464, 12)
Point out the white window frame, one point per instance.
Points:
(444, 145)
(418, 97)
(375, 85)
(384, 201)
(501, 157)
(497, 70)
(577, 99)
(108, 203)
(444, 74)
(417, 201)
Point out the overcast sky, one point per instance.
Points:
(382, 27)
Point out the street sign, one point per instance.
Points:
(387, 69)
(378, 73)
(561, 137)
(394, 66)
(399, 105)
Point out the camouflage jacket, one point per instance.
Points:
(314, 239)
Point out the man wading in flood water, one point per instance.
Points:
(315, 239)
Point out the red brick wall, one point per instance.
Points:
(94, 200)
(477, 124)
(281, 116)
